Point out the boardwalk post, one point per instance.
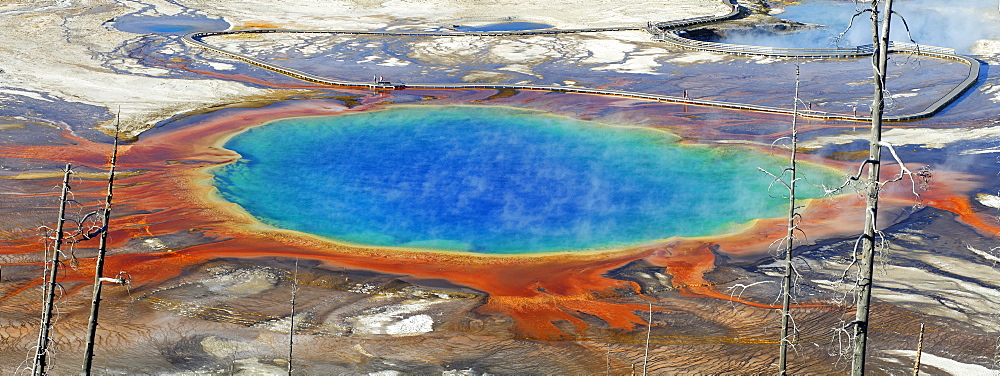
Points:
(881, 41)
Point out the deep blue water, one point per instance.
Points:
(506, 26)
(179, 24)
(493, 180)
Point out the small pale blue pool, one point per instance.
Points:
(177, 24)
(506, 26)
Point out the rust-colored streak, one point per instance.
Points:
(687, 265)
(535, 291)
(963, 208)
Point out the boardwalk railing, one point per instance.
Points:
(676, 38)
(669, 32)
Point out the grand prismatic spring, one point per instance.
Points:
(588, 202)
(493, 180)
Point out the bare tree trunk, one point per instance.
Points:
(95, 302)
(869, 240)
(786, 282)
(291, 317)
(607, 358)
(41, 353)
(649, 330)
(920, 350)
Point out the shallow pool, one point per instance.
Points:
(505, 26)
(177, 24)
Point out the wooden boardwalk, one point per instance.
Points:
(669, 32)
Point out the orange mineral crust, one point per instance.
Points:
(164, 193)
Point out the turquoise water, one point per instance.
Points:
(493, 180)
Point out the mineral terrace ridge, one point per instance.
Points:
(210, 286)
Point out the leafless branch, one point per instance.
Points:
(840, 36)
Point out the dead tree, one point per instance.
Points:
(291, 316)
(649, 330)
(920, 350)
(788, 242)
(869, 241)
(42, 350)
(95, 303)
(786, 280)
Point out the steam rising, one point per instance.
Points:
(494, 180)
(952, 24)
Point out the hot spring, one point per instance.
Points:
(496, 180)
(177, 24)
(955, 25)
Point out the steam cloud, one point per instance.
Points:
(957, 24)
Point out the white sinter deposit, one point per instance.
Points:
(378, 14)
(56, 47)
(64, 49)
